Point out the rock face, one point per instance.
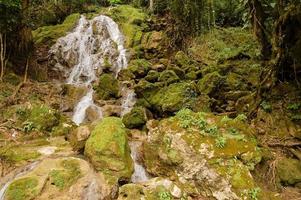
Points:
(108, 149)
(205, 153)
(78, 137)
(62, 178)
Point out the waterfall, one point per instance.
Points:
(86, 50)
(140, 174)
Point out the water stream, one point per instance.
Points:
(140, 174)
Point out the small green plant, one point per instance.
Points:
(266, 106)
(296, 117)
(225, 119)
(165, 195)
(233, 131)
(241, 117)
(28, 127)
(201, 123)
(184, 114)
(212, 131)
(220, 142)
(112, 2)
(253, 193)
(293, 106)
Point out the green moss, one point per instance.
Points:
(210, 83)
(108, 148)
(49, 34)
(289, 171)
(168, 77)
(224, 44)
(66, 177)
(22, 189)
(43, 118)
(136, 118)
(175, 97)
(139, 67)
(108, 87)
(12, 79)
(15, 154)
(152, 76)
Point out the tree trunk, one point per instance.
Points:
(2, 54)
(258, 22)
(151, 5)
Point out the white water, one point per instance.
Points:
(86, 50)
(27, 169)
(140, 174)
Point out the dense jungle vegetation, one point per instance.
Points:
(150, 99)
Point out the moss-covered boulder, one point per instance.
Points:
(210, 83)
(22, 189)
(152, 76)
(49, 34)
(107, 88)
(202, 149)
(289, 171)
(168, 77)
(136, 118)
(139, 67)
(108, 149)
(174, 97)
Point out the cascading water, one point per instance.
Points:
(140, 174)
(87, 50)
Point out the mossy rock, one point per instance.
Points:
(174, 97)
(139, 67)
(135, 119)
(49, 34)
(42, 118)
(289, 171)
(78, 137)
(152, 76)
(107, 88)
(22, 189)
(126, 75)
(182, 59)
(179, 71)
(146, 89)
(210, 83)
(168, 77)
(63, 178)
(108, 149)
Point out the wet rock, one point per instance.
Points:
(107, 88)
(136, 118)
(78, 137)
(289, 171)
(108, 149)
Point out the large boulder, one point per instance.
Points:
(108, 149)
(208, 155)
